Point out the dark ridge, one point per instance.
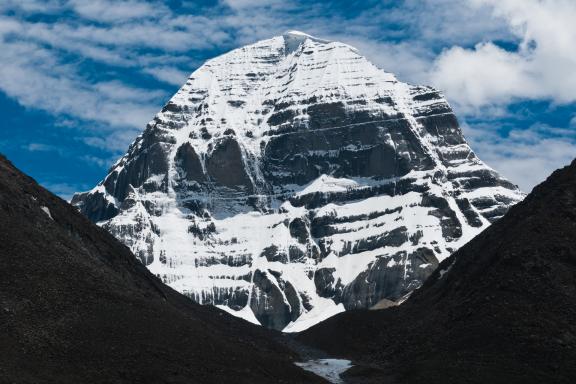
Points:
(77, 307)
(502, 309)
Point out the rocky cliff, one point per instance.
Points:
(499, 310)
(292, 179)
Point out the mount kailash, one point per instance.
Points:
(292, 179)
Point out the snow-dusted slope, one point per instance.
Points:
(292, 179)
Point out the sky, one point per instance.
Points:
(79, 79)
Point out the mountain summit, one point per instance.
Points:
(292, 179)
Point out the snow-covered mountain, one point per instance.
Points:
(291, 179)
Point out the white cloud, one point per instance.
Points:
(484, 80)
(170, 33)
(40, 147)
(486, 75)
(35, 77)
(101, 162)
(244, 4)
(114, 142)
(542, 66)
(525, 156)
(117, 91)
(98, 161)
(31, 6)
(120, 10)
(168, 75)
(38, 73)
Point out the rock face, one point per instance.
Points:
(292, 179)
(499, 310)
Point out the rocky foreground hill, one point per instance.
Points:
(77, 307)
(291, 179)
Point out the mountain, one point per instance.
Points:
(291, 179)
(77, 307)
(502, 309)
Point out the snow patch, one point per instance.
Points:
(245, 313)
(445, 271)
(329, 369)
(324, 309)
(47, 212)
(327, 183)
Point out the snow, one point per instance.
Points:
(47, 212)
(494, 192)
(329, 369)
(403, 299)
(244, 313)
(326, 183)
(445, 271)
(319, 313)
(293, 39)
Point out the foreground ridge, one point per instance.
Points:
(77, 307)
(291, 179)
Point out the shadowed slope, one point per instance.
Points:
(77, 307)
(500, 310)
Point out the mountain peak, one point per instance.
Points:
(293, 39)
(286, 187)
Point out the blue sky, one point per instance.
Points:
(79, 79)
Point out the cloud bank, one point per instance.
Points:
(542, 66)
